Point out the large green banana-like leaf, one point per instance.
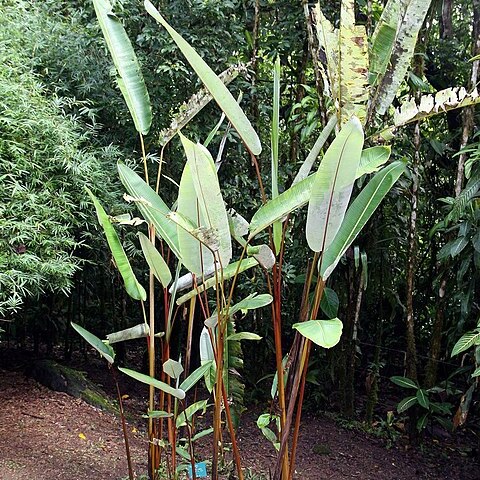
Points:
(212, 211)
(104, 349)
(277, 226)
(381, 50)
(130, 79)
(288, 201)
(325, 333)
(196, 103)
(164, 387)
(359, 213)
(372, 159)
(155, 261)
(383, 37)
(197, 258)
(353, 73)
(215, 86)
(227, 273)
(151, 206)
(409, 17)
(307, 165)
(252, 302)
(332, 187)
(132, 286)
(299, 194)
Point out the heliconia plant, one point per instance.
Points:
(200, 230)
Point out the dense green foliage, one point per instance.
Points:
(45, 162)
(60, 105)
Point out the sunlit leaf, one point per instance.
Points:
(212, 212)
(197, 258)
(372, 159)
(333, 186)
(164, 387)
(196, 375)
(130, 79)
(227, 273)
(172, 368)
(325, 333)
(299, 194)
(315, 151)
(358, 214)
(244, 336)
(132, 286)
(151, 206)
(189, 412)
(155, 261)
(106, 351)
(215, 86)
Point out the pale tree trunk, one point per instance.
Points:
(411, 357)
(315, 54)
(468, 114)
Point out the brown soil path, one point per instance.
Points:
(46, 435)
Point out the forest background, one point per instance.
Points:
(407, 290)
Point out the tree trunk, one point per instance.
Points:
(411, 357)
(313, 46)
(468, 114)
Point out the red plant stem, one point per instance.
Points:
(236, 451)
(124, 425)
(153, 450)
(190, 443)
(307, 347)
(219, 381)
(298, 418)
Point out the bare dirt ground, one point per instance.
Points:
(46, 435)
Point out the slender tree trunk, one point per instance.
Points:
(346, 376)
(411, 357)
(468, 114)
(313, 46)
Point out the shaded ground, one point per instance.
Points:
(46, 435)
